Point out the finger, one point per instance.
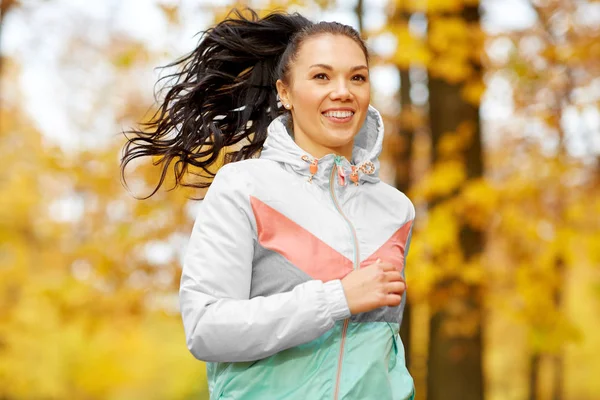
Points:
(387, 266)
(396, 287)
(393, 300)
(393, 276)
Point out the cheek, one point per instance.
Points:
(308, 100)
(364, 96)
(307, 105)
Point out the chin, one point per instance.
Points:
(343, 138)
(336, 144)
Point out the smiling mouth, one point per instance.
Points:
(339, 116)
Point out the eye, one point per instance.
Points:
(359, 77)
(320, 76)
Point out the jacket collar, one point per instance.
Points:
(280, 147)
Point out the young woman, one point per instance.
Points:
(293, 280)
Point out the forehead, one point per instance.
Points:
(339, 51)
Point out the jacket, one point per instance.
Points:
(261, 295)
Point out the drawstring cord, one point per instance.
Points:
(340, 170)
(366, 167)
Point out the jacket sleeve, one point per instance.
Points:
(221, 322)
(406, 249)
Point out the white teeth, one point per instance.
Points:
(338, 114)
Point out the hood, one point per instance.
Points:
(280, 147)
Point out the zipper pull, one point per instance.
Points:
(354, 175)
(313, 168)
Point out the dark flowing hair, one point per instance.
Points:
(224, 93)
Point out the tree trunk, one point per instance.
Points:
(559, 370)
(560, 266)
(359, 10)
(5, 7)
(455, 360)
(534, 376)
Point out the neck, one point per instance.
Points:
(320, 151)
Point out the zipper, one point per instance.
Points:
(335, 168)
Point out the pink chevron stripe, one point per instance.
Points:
(303, 249)
(393, 249)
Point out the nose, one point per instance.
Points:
(341, 91)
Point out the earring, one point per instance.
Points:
(287, 106)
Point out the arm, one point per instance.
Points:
(221, 322)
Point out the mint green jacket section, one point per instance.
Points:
(373, 369)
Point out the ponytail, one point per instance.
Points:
(223, 93)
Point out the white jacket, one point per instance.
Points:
(261, 296)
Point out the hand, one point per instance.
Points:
(377, 285)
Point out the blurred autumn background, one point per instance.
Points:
(493, 130)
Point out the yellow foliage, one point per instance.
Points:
(457, 46)
(72, 322)
(449, 33)
(171, 13)
(421, 272)
(49, 357)
(409, 49)
(433, 6)
(445, 177)
(451, 144)
(473, 272)
(451, 68)
(441, 234)
(473, 91)
(477, 203)
(126, 55)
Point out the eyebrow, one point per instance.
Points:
(330, 68)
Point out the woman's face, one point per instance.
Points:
(328, 94)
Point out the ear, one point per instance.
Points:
(284, 94)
